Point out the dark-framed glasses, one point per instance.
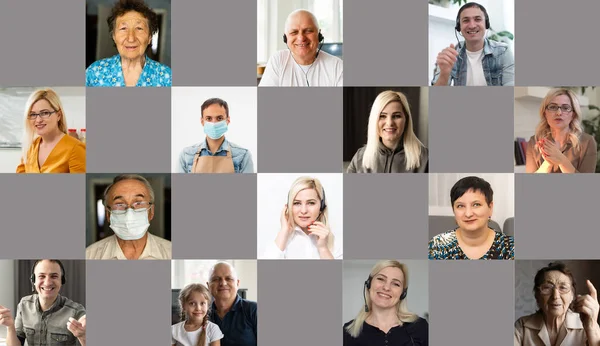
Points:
(42, 114)
(121, 208)
(547, 289)
(554, 108)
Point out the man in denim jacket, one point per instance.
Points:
(215, 154)
(477, 61)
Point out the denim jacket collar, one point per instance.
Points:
(204, 146)
(492, 68)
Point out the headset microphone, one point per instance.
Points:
(321, 40)
(367, 285)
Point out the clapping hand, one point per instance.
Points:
(77, 327)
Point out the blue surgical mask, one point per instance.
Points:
(215, 130)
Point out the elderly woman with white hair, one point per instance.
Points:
(392, 146)
(385, 319)
(559, 144)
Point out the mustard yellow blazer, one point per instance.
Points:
(68, 156)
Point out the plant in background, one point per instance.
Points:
(591, 126)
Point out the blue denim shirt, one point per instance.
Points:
(239, 324)
(498, 65)
(242, 158)
(109, 73)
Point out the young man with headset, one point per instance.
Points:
(477, 61)
(303, 63)
(45, 317)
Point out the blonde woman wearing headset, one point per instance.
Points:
(305, 232)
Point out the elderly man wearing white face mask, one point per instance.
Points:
(129, 203)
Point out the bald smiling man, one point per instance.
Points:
(303, 63)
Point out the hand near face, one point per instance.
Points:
(286, 227)
(446, 59)
(550, 151)
(77, 327)
(322, 232)
(6, 318)
(587, 306)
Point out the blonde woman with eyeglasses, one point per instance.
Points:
(559, 144)
(46, 146)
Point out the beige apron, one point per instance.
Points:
(213, 164)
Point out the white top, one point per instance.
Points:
(282, 70)
(302, 246)
(180, 337)
(475, 76)
(108, 248)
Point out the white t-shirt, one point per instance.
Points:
(302, 246)
(180, 337)
(475, 76)
(282, 70)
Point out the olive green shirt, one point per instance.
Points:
(47, 327)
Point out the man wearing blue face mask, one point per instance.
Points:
(129, 203)
(215, 154)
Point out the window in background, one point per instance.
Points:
(329, 13)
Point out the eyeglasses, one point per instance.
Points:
(121, 208)
(42, 114)
(554, 108)
(547, 289)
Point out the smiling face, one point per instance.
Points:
(386, 288)
(559, 120)
(472, 25)
(306, 207)
(41, 126)
(223, 284)
(47, 282)
(196, 307)
(131, 35)
(390, 126)
(302, 37)
(555, 304)
(472, 212)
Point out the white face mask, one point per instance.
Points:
(130, 226)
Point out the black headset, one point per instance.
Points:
(368, 287)
(468, 5)
(63, 279)
(321, 37)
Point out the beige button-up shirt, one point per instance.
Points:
(108, 248)
(531, 331)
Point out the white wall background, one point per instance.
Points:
(442, 21)
(356, 272)
(185, 118)
(503, 185)
(184, 272)
(7, 289)
(272, 196)
(73, 100)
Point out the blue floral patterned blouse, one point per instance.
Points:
(108, 73)
(445, 246)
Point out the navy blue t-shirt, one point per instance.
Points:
(239, 324)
